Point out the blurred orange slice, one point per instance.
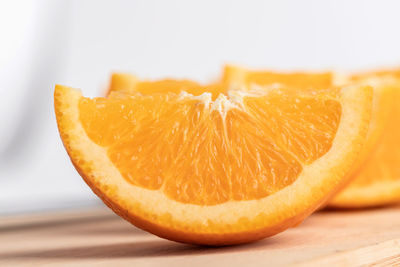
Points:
(377, 175)
(128, 83)
(238, 77)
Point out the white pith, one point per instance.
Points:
(224, 102)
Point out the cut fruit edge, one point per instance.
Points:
(232, 222)
(383, 104)
(379, 194)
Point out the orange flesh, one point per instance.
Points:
(195, 155)
(298, 80)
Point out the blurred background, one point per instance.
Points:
(80, 43)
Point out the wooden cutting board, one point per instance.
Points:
(97, 237)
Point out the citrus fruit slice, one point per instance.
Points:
(376, 177)
(238, 77)
(217, 172)
(128, 83)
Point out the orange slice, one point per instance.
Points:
(238, 77)
(377, 175)
(227, 171)
(123, 82)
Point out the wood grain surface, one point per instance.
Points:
(97, 237)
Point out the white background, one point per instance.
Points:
(79, 43)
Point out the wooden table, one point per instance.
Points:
(99, 238)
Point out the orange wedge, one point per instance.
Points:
(239, 168)
(128, 83)
(377, 175)
(238, 77)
